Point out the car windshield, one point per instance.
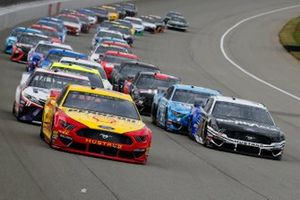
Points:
(150, 82)
(104, 49)
(53, 25)
(121, 30)
(69, 19)
(129, 6)
(31, 39)
(148, 19)
(50, 33)
(125, 23)
(178, 19)
(94, 78)
(130, 70)
(16, 32)
(49, 81)
(109, 34)
(83, 19)
(105, 24)
(56, 56)
(135, 21)
(227, 110)
(189, 96)
(116, 59)
(102, 104)
(100, 11)
(44, 48)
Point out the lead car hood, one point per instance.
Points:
(233, 125)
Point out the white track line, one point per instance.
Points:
(241, 68)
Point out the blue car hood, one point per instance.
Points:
(183, 108)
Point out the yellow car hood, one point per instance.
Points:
(105, 122)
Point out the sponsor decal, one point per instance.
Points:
(237, 122)
(103, 143)
(106, 127)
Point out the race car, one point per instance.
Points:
(101, 13)
(48, 31)
(114, 58)
(54, 55)
(34, 89)
(71, 22)
(40, 50)
(121, 11)
(145, 85)
(127, 24)
(24, 44)
(101, 49)
(92, 74)
(172, 111)
(149, 24)
(95, 122)
(112, 12)
(137, 23)
(178, 23)
(127, 71)
(130, 9)
(171, 14)
(105, 33)
(126, 32)
(14, 35)
(240, 125)
(84, 20)
(104, 25)
(158, 20)
(89, 64)
(61, 30)
(92, 17)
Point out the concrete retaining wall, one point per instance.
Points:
(13, 15)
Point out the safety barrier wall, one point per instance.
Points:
(13, 15)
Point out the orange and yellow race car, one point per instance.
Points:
(95, 122)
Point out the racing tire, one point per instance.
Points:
(14, 112)
(153, 114)
(277, 158)
(204, 139)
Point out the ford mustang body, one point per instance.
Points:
(96, 122)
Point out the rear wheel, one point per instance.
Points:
(166, 120)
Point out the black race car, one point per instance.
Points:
(178, 23)
(128, 70)
(130, 9)
(171, 14)
(241, 126)
(145, 85)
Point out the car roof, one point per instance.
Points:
(74, 67)
(99, 91)
(141, 63)
(55, 44)
(67, 52)
(122, 54)
(159, 75)
(61, 73)
(197, 88)
(78, 60)
(239, 101)
(35, 26)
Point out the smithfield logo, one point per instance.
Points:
(106, 127)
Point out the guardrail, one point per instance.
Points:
(13, 15)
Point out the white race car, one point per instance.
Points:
(34, 89)
(137, 24)
(101, 49)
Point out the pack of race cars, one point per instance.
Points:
(71, 93)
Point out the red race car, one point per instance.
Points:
(24, 44)
(96, 122)
(49, 31)
(71, 22)
(113, 58)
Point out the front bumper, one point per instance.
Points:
(98, 147)
(221, 141)
(30, 112)
(175, 26)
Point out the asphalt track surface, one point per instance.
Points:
(178, 168)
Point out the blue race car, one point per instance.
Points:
(175, 106)
(61, 30)
(54, 55)
(15, 34)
